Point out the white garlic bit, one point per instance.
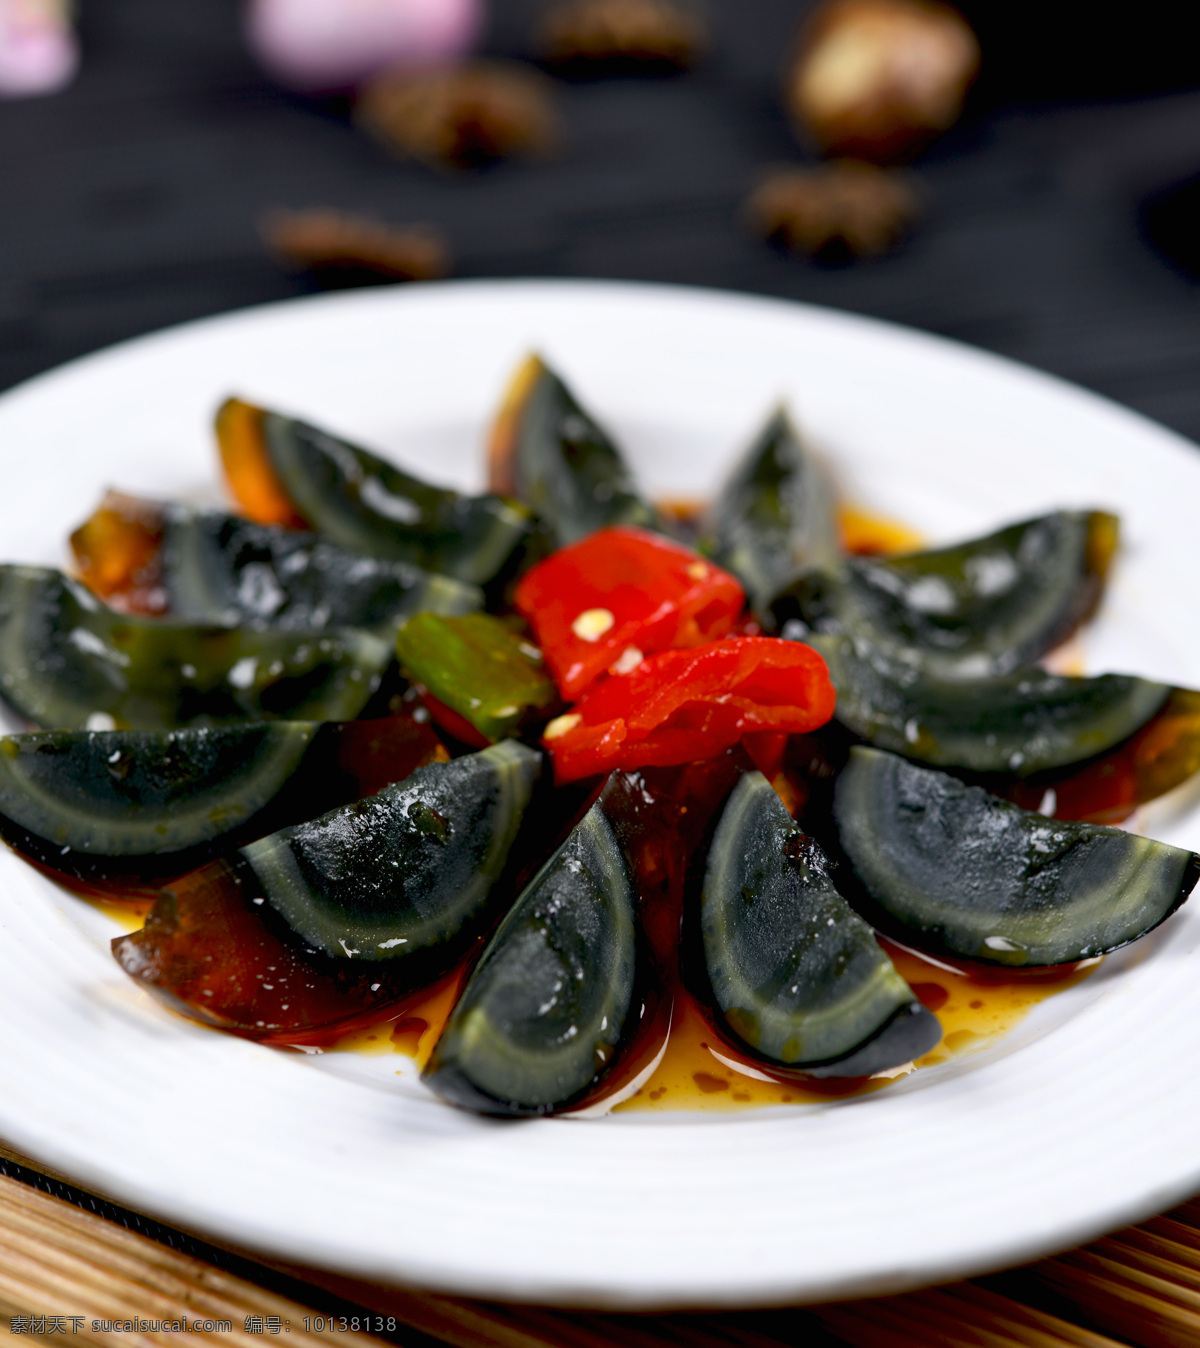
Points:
(562, 725)
(592, 624)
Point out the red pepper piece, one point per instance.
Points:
(767, 749)
(447, 719)
(619, 595)
(684, 705)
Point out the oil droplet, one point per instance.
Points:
(407, 1032)
(931, 995)
(710, 1084)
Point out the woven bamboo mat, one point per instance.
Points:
(81, 1271)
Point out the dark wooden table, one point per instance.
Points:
(132, 201)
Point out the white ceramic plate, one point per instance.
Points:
(1086, 1117)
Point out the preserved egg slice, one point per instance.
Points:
(361, 502)
(210, 566)
(1160, 756)
(405, 872)
(547, 451)
(977, 610)
(775, 516)
(110, 805)
(220, 568)
(545, 1009)
(67, 662)
(127, 793)
(1020, 723)
(966, 872)
(797, 975)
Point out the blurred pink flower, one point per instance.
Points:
(323, 46)
(38, 49)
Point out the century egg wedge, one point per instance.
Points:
(1020, 723)
(549, 452)
(106, 806)
(541, 1017)
(210, 566)
(965, 872)
(285, 471)
(975, 610)
(68, 662)
(141, 793)
(403, 873)
(775, 517)
(796, 973)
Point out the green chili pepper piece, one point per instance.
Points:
(478, 667)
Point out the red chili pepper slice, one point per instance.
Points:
(683, 705)
(447, 719)
(619, 595)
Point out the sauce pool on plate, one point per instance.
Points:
(700, 1070)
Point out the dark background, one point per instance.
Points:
(131, 200)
